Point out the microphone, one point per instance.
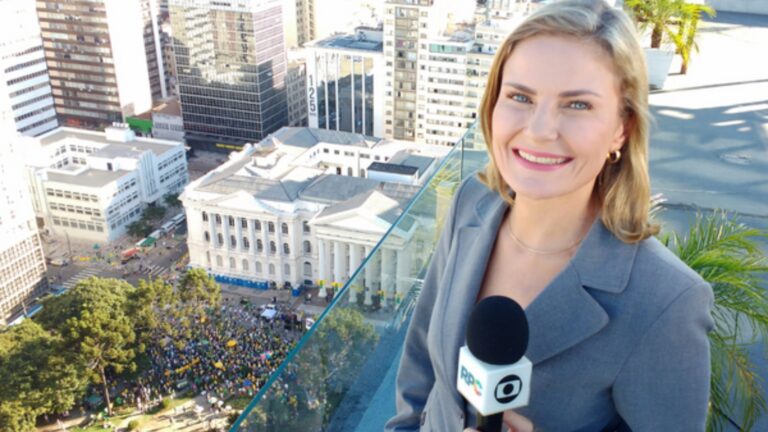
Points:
(494, 374)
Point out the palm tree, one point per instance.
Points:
(686, 35)
(725, 253)
(676, 19)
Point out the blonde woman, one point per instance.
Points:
(559, 223)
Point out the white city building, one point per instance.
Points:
(25, 87)
(90, 185)
(345, 82)
(308, 205)
(22, 264)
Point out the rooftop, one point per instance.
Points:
(139, 144)
(349, 42)
(90, 177)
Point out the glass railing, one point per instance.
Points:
(341, 375)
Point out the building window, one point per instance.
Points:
(231, 262)
(220, 239)
(246, 243)
(272, 247)
(257, 267)
(271, 227)
(305, 225)
(207, 236)
(219, 261)
(349, 171)
(284, 228)
(256, 225)
(208, 258)
(308, 269)
(243, 223)
(259, 246)
(287, 270)
(245, 264)
(272, 269)
(286, 249)
(205, 217)
(218, 219)
(232, 241)
(231, 221)
(307, 247)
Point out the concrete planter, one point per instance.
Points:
(658, 61)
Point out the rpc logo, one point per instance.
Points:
(470, 380)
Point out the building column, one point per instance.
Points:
(387, 273)
(368, 282)
(239, 234)
(354, 263)
(403, 266)
(225, 224)
(323, 264)
(338, 262)
(212, 243)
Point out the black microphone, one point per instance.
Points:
(494, 374)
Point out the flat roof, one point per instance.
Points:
(349, 42)
(169, 107)
(392, 168)
(90, 177)
(156, 146)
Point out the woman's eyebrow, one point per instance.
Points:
(565, 94)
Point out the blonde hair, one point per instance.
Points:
(623, 188)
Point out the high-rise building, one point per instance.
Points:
(231, 67)
(345, 85)
(25, 89)
(150, 12)
(299, 22)
(296, 83)
(97, 59)
(22, 264)
(407, 26)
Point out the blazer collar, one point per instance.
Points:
(602, 262)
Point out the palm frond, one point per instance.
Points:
(726, 254)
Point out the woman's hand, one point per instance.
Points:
(514, 421)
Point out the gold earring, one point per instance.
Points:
(614, 156)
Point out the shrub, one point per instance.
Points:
(133, 425)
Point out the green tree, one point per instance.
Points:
(725, 253)
(153, 212)
(94, 323)
(147, 306)
(139, 229)
(172, 200)
(196, 288)
(35, 378)
(686, 36)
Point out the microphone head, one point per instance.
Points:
(497, 332)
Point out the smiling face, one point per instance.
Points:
(556, 118)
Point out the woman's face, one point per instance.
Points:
(556, 117)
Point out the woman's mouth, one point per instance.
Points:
(540, 161)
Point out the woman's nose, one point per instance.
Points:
(543, 123)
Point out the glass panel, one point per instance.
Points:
(340, 376)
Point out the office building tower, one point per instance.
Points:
(345, 82)
(25, 89)
(97, 59)
(299, 22)
(22, 264)
(231, 67)
(152, 21)
(296, 84)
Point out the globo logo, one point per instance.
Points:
(470, 380)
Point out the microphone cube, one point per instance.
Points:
(492, 388)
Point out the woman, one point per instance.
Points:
(559, 222)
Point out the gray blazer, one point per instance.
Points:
(618, 339)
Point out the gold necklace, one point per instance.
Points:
(538, 251)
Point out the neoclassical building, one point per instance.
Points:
(307, 206)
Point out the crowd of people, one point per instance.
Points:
(232, 352)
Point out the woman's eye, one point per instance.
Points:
(519, 97)
(579, 105)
